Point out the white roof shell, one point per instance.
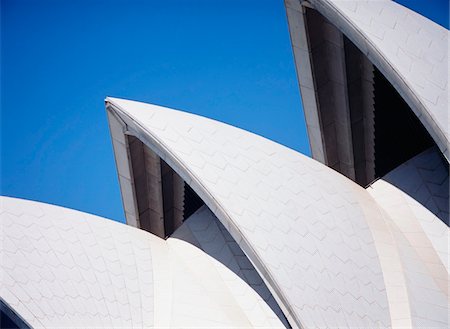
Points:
(330, 252)
(409, 49)
(422, 239)
(62, 268)
(321, 243)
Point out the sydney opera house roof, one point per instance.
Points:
(228, 229)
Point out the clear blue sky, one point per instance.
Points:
(228, 60)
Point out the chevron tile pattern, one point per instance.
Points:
(299, 222)
(204, 230)
(408, 48)
(281, 241)
(425, 179)
(62, 268)
(411, 194)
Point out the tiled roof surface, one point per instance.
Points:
(63, 268)
(411, 50)
(302, 224)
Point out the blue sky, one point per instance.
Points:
(227, 60)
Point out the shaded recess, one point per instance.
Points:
(163, 199)
(399, 135)
(10, 319)
(192, 201)
(367, 128)
(326, 45)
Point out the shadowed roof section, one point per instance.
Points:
(337, 46)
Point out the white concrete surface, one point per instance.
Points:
(329, 253)
(303, 63)
(421, 237)
(205, 231)
(294, 236)
(125, 175)
(409, 49)
(299, 222)
(62, 268)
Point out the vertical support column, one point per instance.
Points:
(147, 181)
(326, 44)
(302, 57)
(361, 100)
(125, 175)
(159, 191)
(173, 198)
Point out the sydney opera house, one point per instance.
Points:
(228, 229)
